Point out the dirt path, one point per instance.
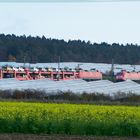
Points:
(46, 137)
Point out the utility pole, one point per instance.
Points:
(24, 60)
(112, 68)
(134, 68)
(58, 78)
(78, 66)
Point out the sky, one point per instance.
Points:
(111, 22)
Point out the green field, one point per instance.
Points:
(69, 119)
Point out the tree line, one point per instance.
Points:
(41, 49)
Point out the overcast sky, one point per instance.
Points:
(97, 21)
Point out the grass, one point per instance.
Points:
(69, 97)
(58, 137)
(69, 119)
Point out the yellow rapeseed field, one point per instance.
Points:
(70, 119)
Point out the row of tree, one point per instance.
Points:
(41, 49)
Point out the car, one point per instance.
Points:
(21, 69)
(50, 69)
(14, 68)
(7, 68)
(4, 68)
(42, 69)
(34, 69)
(93, 69)
(54, 69)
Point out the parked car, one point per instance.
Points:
(21, 69)
(93, 69)
(14, 68)
(42, 69)
(34, 69)
(7, 68)
(50, 69)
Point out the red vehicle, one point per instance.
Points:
(124, 75)
(63, 75)
(90, 75)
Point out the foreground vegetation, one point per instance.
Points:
(58, 137)
(69, 119)
(69, 97)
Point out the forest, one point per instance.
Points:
(42, 50)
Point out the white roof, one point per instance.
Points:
(76, 86)
(86, 66)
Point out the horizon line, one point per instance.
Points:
(64, 1)
(66, 40)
